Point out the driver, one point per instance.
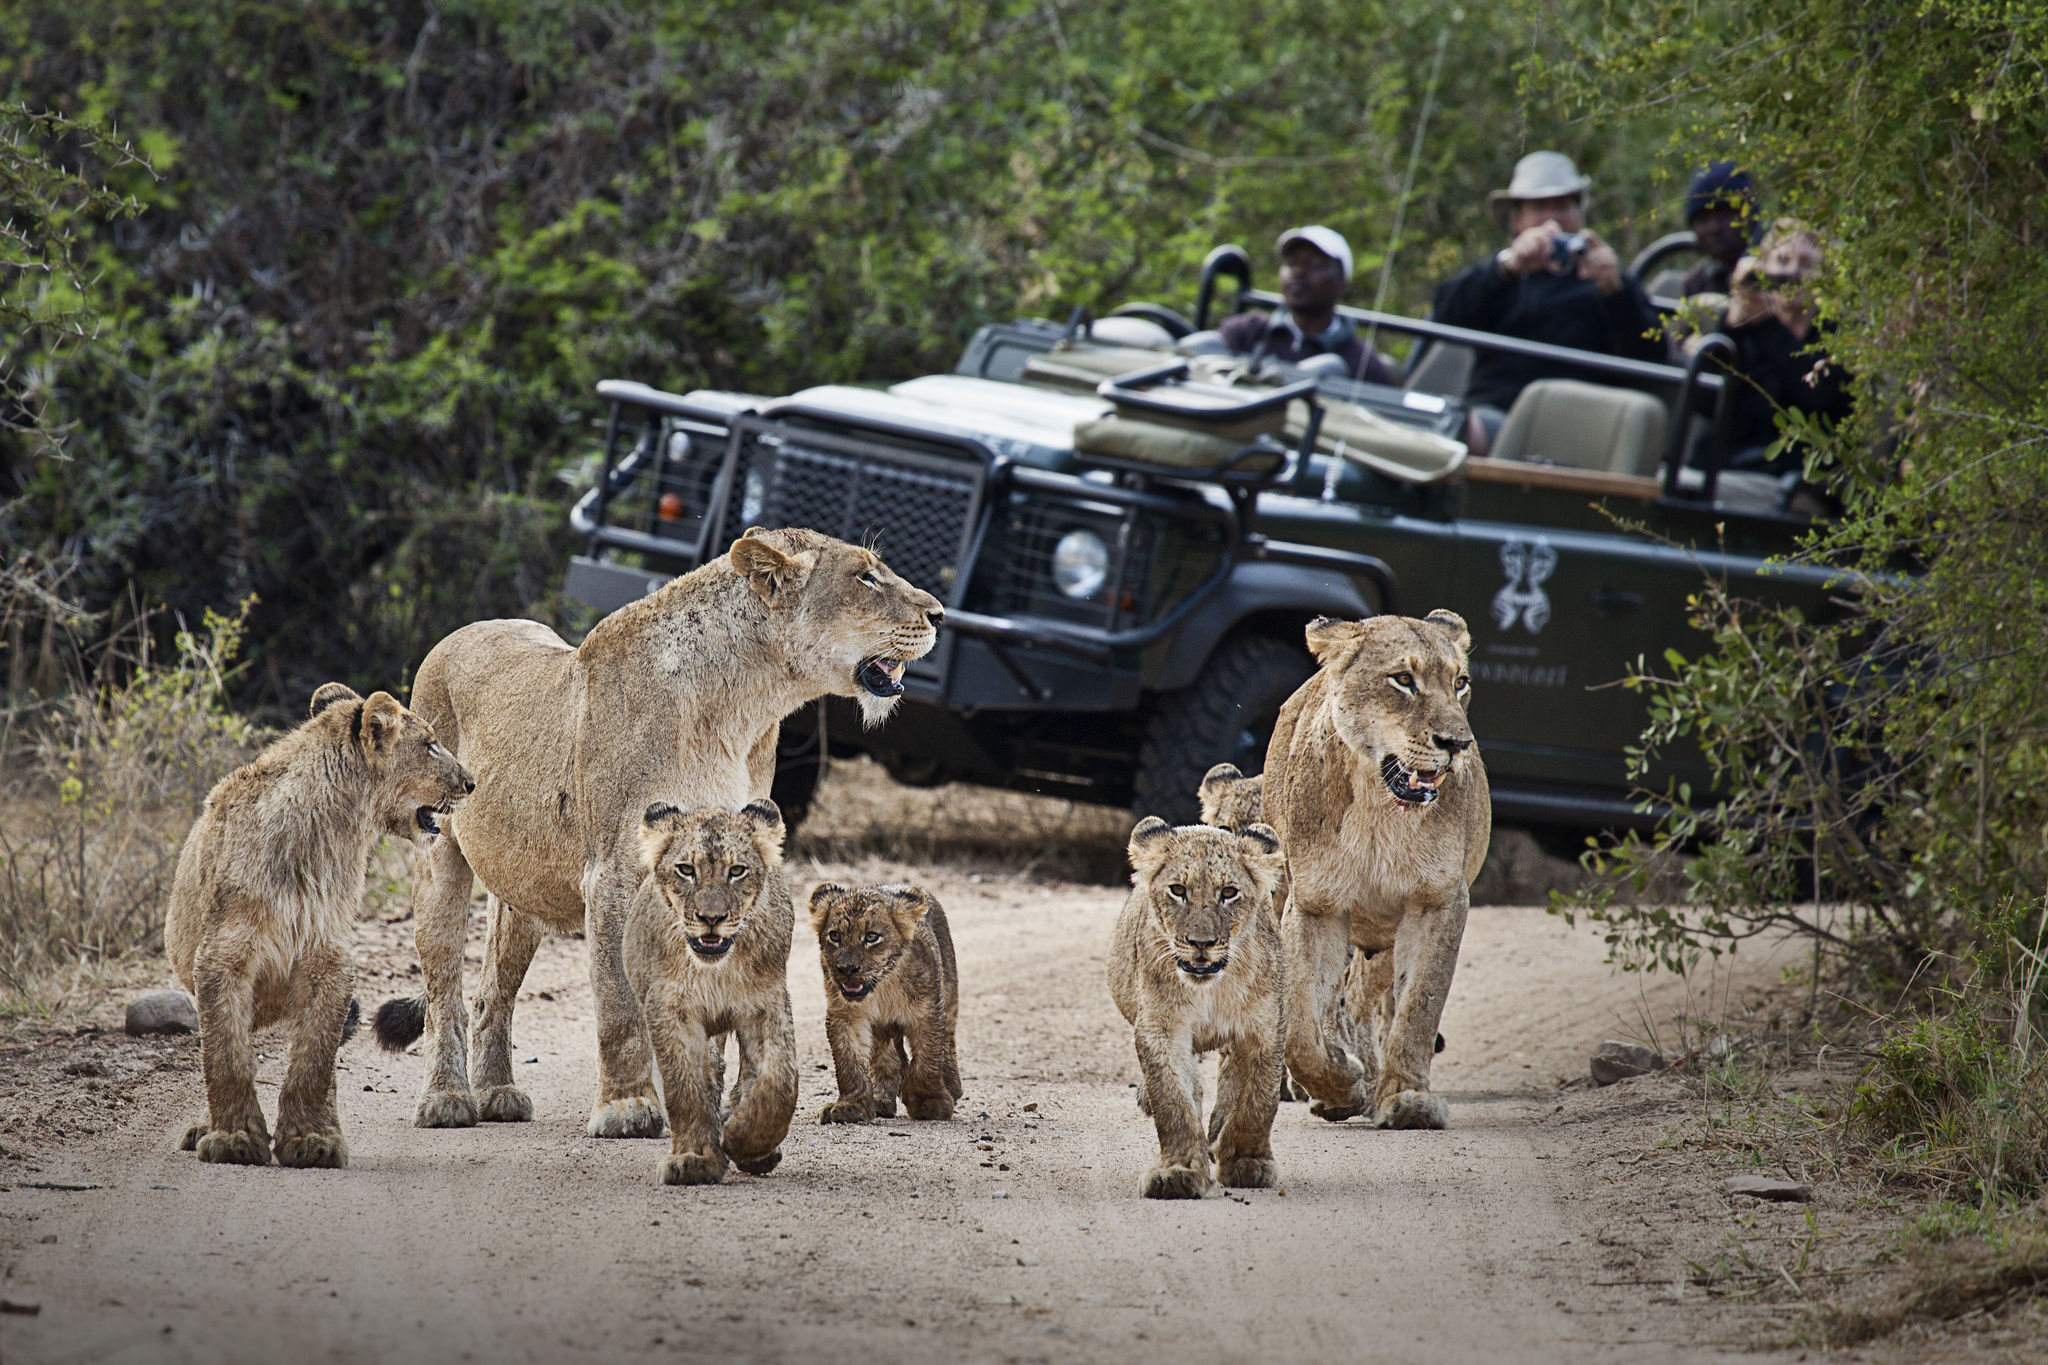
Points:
(1315, 265)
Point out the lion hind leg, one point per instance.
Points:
(887, 1065)
(308, 1125)
(509, 947)
(926, 1094)
(225, 995)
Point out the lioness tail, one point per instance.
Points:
(399, 1023)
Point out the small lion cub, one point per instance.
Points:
(1195, 965)
(264, 902)
(890, 979)
(707, 950)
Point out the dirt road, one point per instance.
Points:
(1011, 1233)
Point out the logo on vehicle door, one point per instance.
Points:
(1527, 564)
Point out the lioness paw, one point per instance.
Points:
(306, 1150)
(504, 1104)
(634, 1116)
(190, 1142)
(846, 1111)
(445, 1109)
(1413, 1109)
(885, 1106)
(691, 1168)
(237, 1148)
(1336, 1113)
(1249, 1172)
(1176, 1182)
(762, 1166)
(929, 1106)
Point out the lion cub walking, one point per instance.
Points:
(1194, 966)
(890, 979)
(264, 901)
(707, 950)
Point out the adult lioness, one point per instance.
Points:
(1376, 788)
(675, 698)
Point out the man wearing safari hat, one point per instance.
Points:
(1554, 282)
(1315, 265)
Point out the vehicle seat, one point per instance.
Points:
(1584, 426)
(1443, 367)
(1116, 331)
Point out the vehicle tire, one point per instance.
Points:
(1225, 716)
(799, 770)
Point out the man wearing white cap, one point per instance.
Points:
(1315, 265)
(1555, 282)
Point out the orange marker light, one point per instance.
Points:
(670, 508)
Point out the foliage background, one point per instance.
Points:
(346, 349)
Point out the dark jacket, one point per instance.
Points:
(1562, 310)
(1277, 335)
(1776, 370)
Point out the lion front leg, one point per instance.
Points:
(1317, 947)
(1425, 956)
(888, 1063)
(847, 1033)
(753, 1135)
(627, 1105)
(235, 1133)
(927, 1091)
(1247, 1098)
(683, 1050)
(1168, 1061)
(308, 1125)
(508, 952)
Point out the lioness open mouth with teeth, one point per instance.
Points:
(882, 675)
(1411, 786)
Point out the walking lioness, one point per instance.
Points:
(265, 898)
(675, 698)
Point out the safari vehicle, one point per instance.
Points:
(1129, 533)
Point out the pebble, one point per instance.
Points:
(1027, 1259)
(162, 1012)
(1617, 1061)
(1767, 1187)
(1000, 1194)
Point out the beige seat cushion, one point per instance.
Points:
(1166, 444)
(1584, 426)
(1387, 447)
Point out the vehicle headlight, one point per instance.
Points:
(1080, 564)
(678, 446)
(753, 498)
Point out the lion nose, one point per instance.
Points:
(1201, 945)
(935, 613)
(711, 919)
(1452, 745)
(468, 785)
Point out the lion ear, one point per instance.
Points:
(1147, 848)
(765, 818)
(907, 905)
(327, 694)
(767, 570)
(378, 719)
(1453, 625)
(822, 896)
(1261, 847)
(1327, 637)
(655, 827)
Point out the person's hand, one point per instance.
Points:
(1746, 302)
(1600, 265)
(1530, 251)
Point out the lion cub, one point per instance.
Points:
(264, 901)
(890, 979)
(707, 950)
(1195, 966)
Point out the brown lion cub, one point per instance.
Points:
(1195, 966)
(707, 950)
(264, 901)
(890, 979)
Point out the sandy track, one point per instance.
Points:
(1010, 1233)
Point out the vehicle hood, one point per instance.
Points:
(1020, 422)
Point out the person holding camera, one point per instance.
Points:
(1554, 282)
(1780, 362)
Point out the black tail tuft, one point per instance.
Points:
(351, 1021)
(399, 1023)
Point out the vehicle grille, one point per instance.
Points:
(1024, 587)
(915, 510)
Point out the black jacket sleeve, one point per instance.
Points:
(1474, 297)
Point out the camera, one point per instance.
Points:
(1565, 250)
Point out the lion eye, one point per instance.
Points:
(871, 938)
(1228, 893)
(872, 580)
(687, 871)
(1403, 680)
(1177, 891)
(832, 936)
(738, 872)
(1464, 684)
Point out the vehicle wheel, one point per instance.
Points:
(799, 769)
(1225, 716)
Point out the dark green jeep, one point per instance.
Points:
(1129, 533)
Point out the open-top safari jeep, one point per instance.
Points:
(1129, 533)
